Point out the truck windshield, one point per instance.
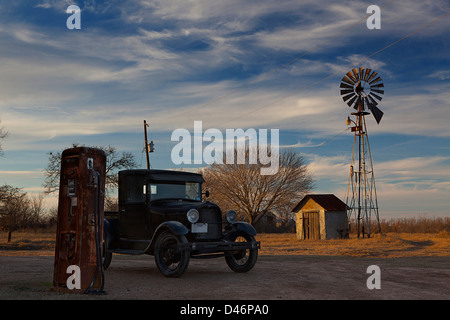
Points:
(181, 190)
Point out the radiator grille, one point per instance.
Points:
(214, 220)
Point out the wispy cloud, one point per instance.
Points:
(427, 170)
(299, 144)
(24, 173)
(441, 75)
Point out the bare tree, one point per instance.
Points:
(114, 162)
(37, 211)
(241, 186)
(14, 208)
(3, 135)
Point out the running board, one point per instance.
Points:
(128, 251)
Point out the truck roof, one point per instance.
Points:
(165, 175)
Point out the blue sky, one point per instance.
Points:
(231, 64)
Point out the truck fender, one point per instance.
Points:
(175, 227)
(111, 232)
(240, 227)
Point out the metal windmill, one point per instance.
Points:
(362, 89)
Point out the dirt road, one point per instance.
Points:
(274, 277)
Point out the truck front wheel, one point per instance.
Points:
(170, 259)
(242, 260)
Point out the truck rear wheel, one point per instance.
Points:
(107, 255)
(170, 259)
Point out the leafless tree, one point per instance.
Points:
(14, 208)
(3, 135)
(114, 162)
(37, 210)
(242, 187)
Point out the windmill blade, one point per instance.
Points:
(350, 103)
(345, 98)
(346, 91)
(362, 104)
(376, 112)
(361, 73)
(358, 88)
(350, 82)
(376, 96)
(366, 102)
(375, 80)
(355, 73)
(344, 85)
(367, 74)
(378, 91)
(372, 100)
(374, 74)
(351, 76)
(357, 103)
(380, 85)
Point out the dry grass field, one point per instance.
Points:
(28, 243)
(389, 245)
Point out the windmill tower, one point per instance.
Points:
(362, 89)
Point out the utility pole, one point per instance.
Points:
(146, 145)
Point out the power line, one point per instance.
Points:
(327, 141)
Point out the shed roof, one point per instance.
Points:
(327, 201)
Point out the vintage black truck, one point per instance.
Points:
(161, 213)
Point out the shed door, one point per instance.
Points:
(311, 227)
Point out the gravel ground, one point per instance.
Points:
(275, 277)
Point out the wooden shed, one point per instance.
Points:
(321, 216)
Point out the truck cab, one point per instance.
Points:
(161, 213)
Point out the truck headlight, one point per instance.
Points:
(231, 216)
(193, 215)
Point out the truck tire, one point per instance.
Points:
(106, 255)
(170, 260)
(242, 260)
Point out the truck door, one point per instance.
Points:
(133, 206)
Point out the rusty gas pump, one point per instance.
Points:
(78, 250)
